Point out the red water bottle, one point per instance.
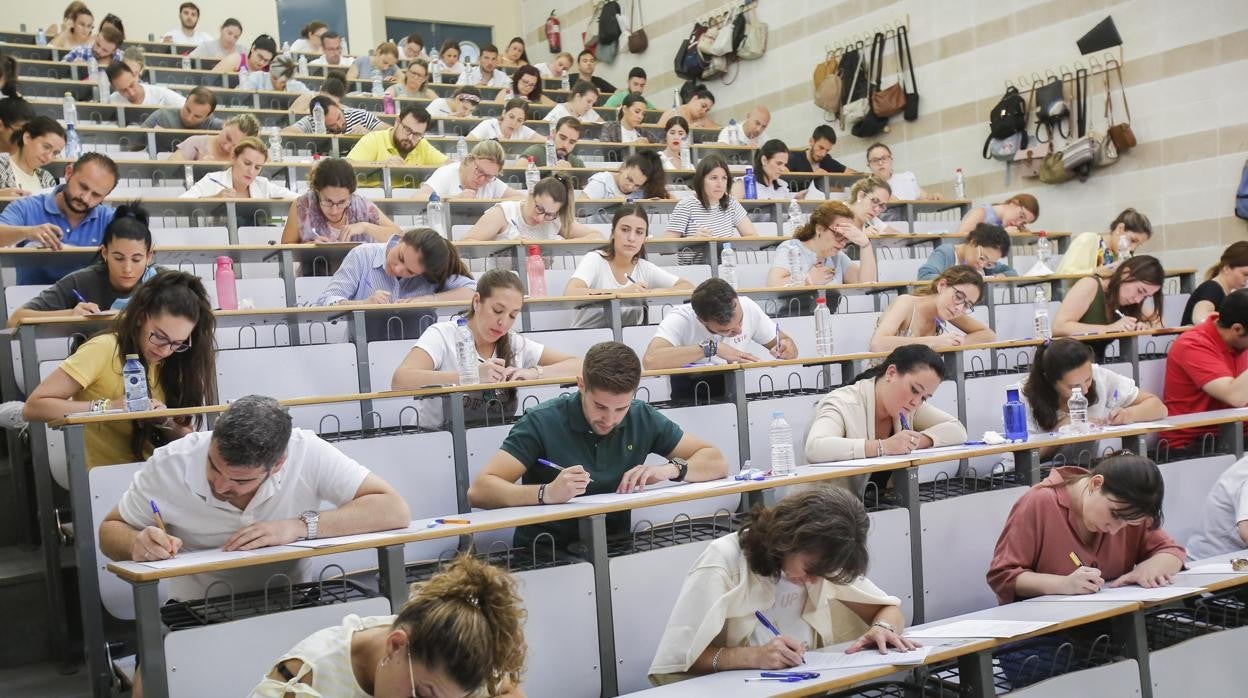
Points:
(227, 287)
(537, 273)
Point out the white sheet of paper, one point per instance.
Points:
(863, 659)
(342, 540)
(980, 628)
(1128, 593)
(1213, 568)
(940, 449)
(207, 557)
(613, 497)
(859, 462)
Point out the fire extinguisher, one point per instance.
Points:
(552, 33)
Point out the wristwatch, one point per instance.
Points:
(709, 347)
(682, 465)
(310, 519)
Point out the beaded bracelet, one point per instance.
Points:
(541, 494)
(715, 660)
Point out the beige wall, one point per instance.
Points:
(1185, 72)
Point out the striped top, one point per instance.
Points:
(351, 116)
(691, 218)
(363, 272)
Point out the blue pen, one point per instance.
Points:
(905, 424)
(974, 443)
(767, 624)
(548, 464)
(77, 295)
(1113, 399)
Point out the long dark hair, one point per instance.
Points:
(1139, 268)
(490, 282)
(559, 188)
(608, 250)
(38, 126)
(1051, 362)
(769, 150)
(651, 167)
(189, 378)
(827, 523)
(908, 358)
(130, 222)
(536, 94)
(1234, 256)
(705, 167)
(1132, 482)
(439, 256)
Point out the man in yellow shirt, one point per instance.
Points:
(404, 144)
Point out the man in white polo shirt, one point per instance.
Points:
(252, 482)
(128, 89)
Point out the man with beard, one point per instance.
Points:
(72, 214)
(404, 144)
(185, 35)
(567, 135)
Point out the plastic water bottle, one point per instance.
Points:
(303, 65)
(1043, 329)
(959, 184)
(102, 84)
(227, 288)
(783, 462)
(466, 353)
(751, 186)
(275, 146)
(433, 211)
(732, 132)
(186, 63)
(70, 110)
(1124, 249)
(531, 175)
(823, 328)
(378, 88)
(73, 144)
(188, 176)
(686, 153)
(797, 268)
(387, 103)
(318, 119)
(795, 217)
(728, 265)
(93, 66)
(675, 98)
(1077, 408)
(461, 149)
(536, 270)
(1015, 415)
(552, 155)
(565, 82)
(285, 47)
(435, 72)
(41, 38)
(134, 376)
(1044, 249)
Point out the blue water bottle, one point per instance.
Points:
(134, 377)
(1015, 414)
(751, 187)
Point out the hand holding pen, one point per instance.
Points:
(154, 542)
(781, 653)
(84, 307)
(572, 481)
(1084, 580)
(1117, 413)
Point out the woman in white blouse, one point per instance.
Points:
(543, 214)
(770, 161)
(502, 355)
(242, 180)
(508, 126)
(415, 83)
(620, 267)
(676, 133)
(641, 176)
(474, 178)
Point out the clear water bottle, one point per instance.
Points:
(441, 126)
(387, 103)
(275, 146)
(70, 110)
(1044, 249)
(1015, 416)
(823, 328)
(73, 144)
(536, 271)
(675, 98)
(188, 176)
(303, 65)
(1077, 408)
(466, 357)
(93, 66)
(959, 184)
(433, 211)
(751, 186)
(134, 376)
(732, 132)
(783, 461)
(1123, 249)
(186, 63)
(531, 175)
(728, 265)
(552, 155)
(686, 153)
(41, 38)
(285, 47)
(378, 87)
(102, 84)
(565, 82)
(1044, 329)
(227, 285)
(435, 72)
(318, 119)
(461, 148)
(795, 217)
(797, 268)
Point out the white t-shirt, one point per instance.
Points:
(475, 76)
(445, 181)
(439, 343)
(668, 164)
(214, 183)
(518, 229)
(1225, 507)
(784, 253)
(344, 62)
(559, 111)
(1107, 384)
(682, 328)
(786, 614)
(734, 134)
(544, 69)
(595, 270)
(601, 185)
(778, 189)
(905, 186)
(180, 37)
(29, 182)
(440, 107)
(153, 95)
(176, 478)
(490, 128)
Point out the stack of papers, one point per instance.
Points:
(1128, 593)
(1214, 568)
(866, 658)
(980, 628)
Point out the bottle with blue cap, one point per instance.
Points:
(1014, 413)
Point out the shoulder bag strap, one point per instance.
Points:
(1122, 88)
(877, 62)
(906, 62)
(1109, 102)
(1081, 101)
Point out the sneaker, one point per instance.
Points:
(11, 415)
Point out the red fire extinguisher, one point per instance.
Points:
(552, 33)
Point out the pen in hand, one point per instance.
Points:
(160, 520)
(774, 631)
(549, 464)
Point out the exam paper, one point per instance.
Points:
(1213, 568)
(1128, 593)
(866, 658)
(980, 628)
(343, 540)
(859, 462)
(207, 557)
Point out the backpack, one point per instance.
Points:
(1007, 119)
(689, 63)
(609, 23)
(1241, 194)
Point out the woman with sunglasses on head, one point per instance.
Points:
(983, 251)
(526, 84)
(474, 178)
(1116, 303)
(417, 265)
(620, 267)
(169, 325)
(929, 314)
(415, 82)
(75, 30)
(461, 633)
(770, 162)
(503, 355)
(331, 211)
(1014, 214)
(641, 176)
(820, 246)
(868, 198)
(543, 214)
(1098, 253)
(508, 126)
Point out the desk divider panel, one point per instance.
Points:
(1207, 665)
(1117, 680)
(561, 630)
(888, 543)
(1188, 483)
(107, 486)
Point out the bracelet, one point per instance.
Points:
(100, 405)
(879, 447)
(541, 494)
(715, 660)
(884, 624)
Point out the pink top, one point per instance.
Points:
(1039, 536)
(197, 147)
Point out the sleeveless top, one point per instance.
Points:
(326, 654)
(1097, 314)
(990, 215)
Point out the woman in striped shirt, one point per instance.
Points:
(712, 212)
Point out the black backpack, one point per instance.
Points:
(609, 23)
(1009, 116)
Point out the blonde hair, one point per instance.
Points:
(248, 124)
(827, 212)
(253, 143)
(957, 275)
(488, 150)
(387, 47)
(866, 185)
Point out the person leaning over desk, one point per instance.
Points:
(819, 245)
(1229, 274)
(925, 316)
(800, 565)
(601, 437)
(1207, 369)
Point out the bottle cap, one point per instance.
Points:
(1011, 394)
(131, 356)
(821, 301)
(224, 260)
(777, 414)
(531, 160)
(535, 250)
(727, 246)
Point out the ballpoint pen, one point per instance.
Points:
(905, 423)
(160, 520)
(549, 464)
(767, 624)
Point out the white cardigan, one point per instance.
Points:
(720, 595)
(214, 183)
(845, 421)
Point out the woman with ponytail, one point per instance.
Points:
(461, 633)
(1229, 274)
(544, 214)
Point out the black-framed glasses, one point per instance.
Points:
(966, 303)
(161, 341)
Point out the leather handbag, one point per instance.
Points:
(891, 100)
(1121, 134)
(1052, 171)
(907, 65)
(828, 85)
(755, 43)
(638, 42)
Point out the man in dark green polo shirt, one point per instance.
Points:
(602, 436)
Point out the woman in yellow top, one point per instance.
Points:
(1097, 253)
(169, 324)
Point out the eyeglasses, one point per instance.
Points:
(965, 303)
(404, 128)
(875, 201)
(880, 160)
(478, 173)
(161, 341)
(548, 215)
(333, 205)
